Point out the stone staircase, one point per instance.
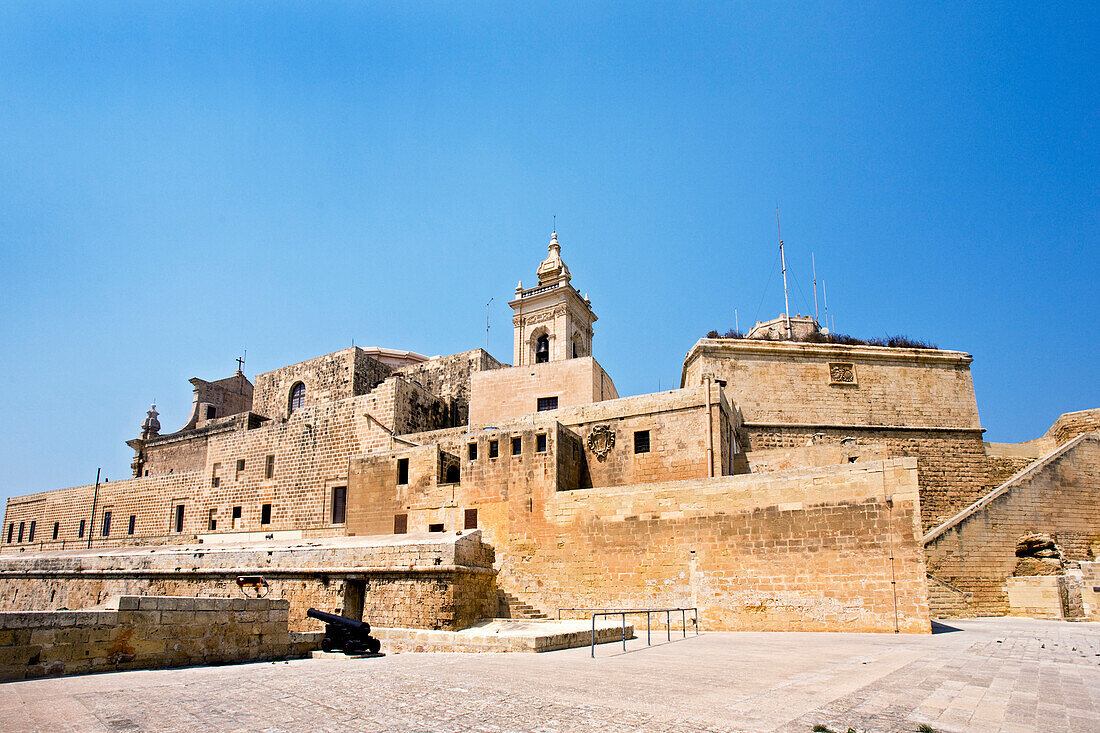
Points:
(508, 606)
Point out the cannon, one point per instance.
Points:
(345, 634)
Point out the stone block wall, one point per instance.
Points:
(449, 377)
(147, 633)
(327, 378)
(1071, 424)
(974, 553)
(501, 395)
(793, 384)
(425, 581)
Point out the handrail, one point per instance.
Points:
(624, 612)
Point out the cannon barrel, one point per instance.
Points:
(347, 623)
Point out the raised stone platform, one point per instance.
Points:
(503, 635)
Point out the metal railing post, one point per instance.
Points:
(684, 621)
(647, 641)
(593, 636)
(624, 632)
(668, 624)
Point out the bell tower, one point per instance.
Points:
(552, 321)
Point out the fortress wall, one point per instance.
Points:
(501, 395)
(327, 379)
(450, 376)
(952, 466)
(806, 550)
(976, 555)
(149, 500)
(788, 383)
(427, 581)
(1071, 424)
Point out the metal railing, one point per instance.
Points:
(624, 612)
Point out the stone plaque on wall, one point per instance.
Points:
(842, 372)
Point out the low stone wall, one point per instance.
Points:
(422, 581)
(133, 632)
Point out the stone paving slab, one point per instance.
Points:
(989, 675)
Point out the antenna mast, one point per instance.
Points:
(487, 324)
(825, 295)
(783, 260)
(814, 263)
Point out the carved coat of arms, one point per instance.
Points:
(600, 441)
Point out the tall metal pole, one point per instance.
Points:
(95, 498)
(783, 260)
(814, 263)
(825, 295)
(487, 324)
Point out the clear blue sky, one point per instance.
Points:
(181, 181)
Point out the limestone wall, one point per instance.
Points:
(327, 378)
(421, 581)
(1071, 424)
(974, 552)
(147, 633)
(793, 383)
(449, 377)
(505, 394)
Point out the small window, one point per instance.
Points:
(178, 520)
(236, 512)
(540, 443)
(339, 504)
(22, 529)
(402, 471)
(30, 535)
(493, 449)
(547, 403)
(517, 446)
(641, 441)
(473, 451)
(133, 524)
(106, 524)
(240, 468)
(211, 412)
(435, 527)
(269, 467)
(80, 529)
(265, 514)
(297, 397)
(453, 474)
(400, 523)
(147, 472)
(469, 519)
(212, 522)
(215, 479)
(56, 529)
(11, 530)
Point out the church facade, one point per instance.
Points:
(784, 485)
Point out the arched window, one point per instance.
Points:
(297, 396)
(452, 474)
(542, 349)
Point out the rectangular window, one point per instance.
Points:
(236, 512)
(641, 441)
(435, 527)
(106, 524)
(133, 524)
(265, 514)
(400, 523)
(11, 531)
(240, 469)
(30, 535)
(80, 529)
(215, 480)
(493, 450)
(269, 467)
(22, 529)
(339, 504)
(473, 451)
(547, 403)
(212, 522)
(470, 519)
(402, 471)
(179, 518)
(517, 446)
(56, 529)
(540, 442)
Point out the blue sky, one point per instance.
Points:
(179, 182)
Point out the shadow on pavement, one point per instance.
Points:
(938, 628)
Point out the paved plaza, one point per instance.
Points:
(984, 675)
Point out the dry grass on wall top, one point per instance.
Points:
(895, 342)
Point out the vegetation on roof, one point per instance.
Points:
(894, 342)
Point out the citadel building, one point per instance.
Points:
(787, 484)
